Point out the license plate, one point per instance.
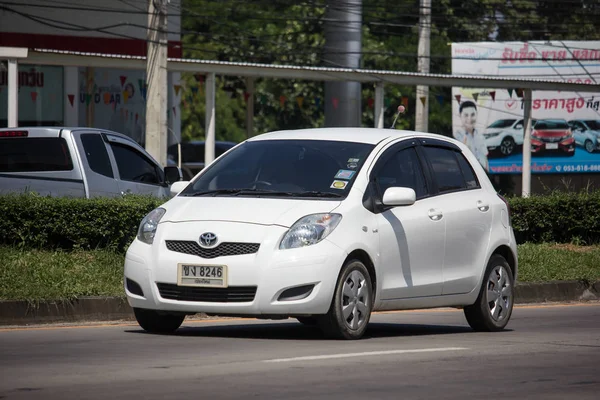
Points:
(551, 146)
(202, 275)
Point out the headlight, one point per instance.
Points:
(310, 230)
(149, 224)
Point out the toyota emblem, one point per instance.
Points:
(208, 239)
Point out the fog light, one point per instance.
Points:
(296, 293)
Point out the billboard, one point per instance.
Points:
(566, 125)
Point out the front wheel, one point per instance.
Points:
(493, 308)
(507, 146)
(350, 309)
(589, 146)
(154, 322)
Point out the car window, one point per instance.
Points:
(502, 123)
(468, 173)
(134, 166)
(551, 124)
(402, 170)
(34, 154)
(290, 166)
(96, 154)
(446, 170)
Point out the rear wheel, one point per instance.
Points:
(493, 308)
(154, 322)
(350, 309)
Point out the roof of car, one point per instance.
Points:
(359, 135)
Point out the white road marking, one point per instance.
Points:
(368, 353)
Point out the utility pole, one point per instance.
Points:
(156, 79)
(343, 46)
(422, 109)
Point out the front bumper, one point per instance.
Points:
(270, 270)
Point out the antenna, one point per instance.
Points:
(401, 110)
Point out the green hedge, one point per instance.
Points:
(43, 222)
(560, 217)
(34, 221)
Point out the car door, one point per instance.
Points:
(411, 237)
(468, 215)
(99, 175)
(137, 172)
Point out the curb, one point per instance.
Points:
(88, 309)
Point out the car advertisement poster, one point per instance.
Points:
(565, 135)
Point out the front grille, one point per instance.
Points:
(222, 250)
(232, 294)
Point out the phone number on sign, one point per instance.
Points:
(578, 168)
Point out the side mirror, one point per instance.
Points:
(399, 196)
(172, 174)
(519, 126)
(178, 187)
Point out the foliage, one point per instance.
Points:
(34, 221)
(562, 217)
(289, 32)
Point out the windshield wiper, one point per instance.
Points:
(315, 193)
(237, 192)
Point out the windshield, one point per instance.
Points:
(595, 125)
(551, 124)
(502, 123)
(307, 168)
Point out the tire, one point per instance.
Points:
(498, 283)
(507, 146)
(154, 322)
(589, 146)
(351, 306)
(309, 321)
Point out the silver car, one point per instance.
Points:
(586, 133)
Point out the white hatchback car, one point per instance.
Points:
(327, 226)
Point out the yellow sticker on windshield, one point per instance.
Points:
(339, 185)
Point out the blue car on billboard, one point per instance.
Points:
(586, 133)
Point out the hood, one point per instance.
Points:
(551, 132)
(251, 210)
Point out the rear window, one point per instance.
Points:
(34, 154)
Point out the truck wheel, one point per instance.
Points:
(493, 308)
(350, 309)
(154, 322)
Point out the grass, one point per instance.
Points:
(557, 262)
(36, 275)
(59, 275)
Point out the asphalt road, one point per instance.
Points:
(549, 352)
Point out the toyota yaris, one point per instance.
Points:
(327, 226)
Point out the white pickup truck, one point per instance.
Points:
(79, 162)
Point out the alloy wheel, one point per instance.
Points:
(355, 300)
(507, 146)
(499, 293)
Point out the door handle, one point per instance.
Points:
(483, 207)
(435, 215)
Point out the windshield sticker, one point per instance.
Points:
(354, 160)
(344, 174)
(352, 165)
(339, 185)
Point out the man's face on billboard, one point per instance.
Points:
(468, 116)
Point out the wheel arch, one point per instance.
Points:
(510, 258)
(365, 258)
